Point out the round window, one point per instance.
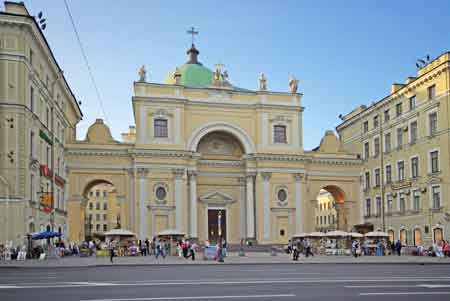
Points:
(161, 193)
(282, 195)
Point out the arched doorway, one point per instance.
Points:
(101, 210)
(331, 212)
(220, 191)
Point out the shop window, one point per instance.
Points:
(403, 237)
(437, 235)
(417, 237)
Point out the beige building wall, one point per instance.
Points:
(39, 114)
(410, 125)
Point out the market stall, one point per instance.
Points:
(47, 235)
(125, 241)
(171, 237)
(375, 243)
(337, 243)
(317, 243)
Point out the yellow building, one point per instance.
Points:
(208, 158)
(326, 218)
(403, 140)
(38, 114)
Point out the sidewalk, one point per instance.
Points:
(233, 258)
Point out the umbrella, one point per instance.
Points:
(119, 232)
(315, 234)
(299, 235)
(377, 234)
(45, 235)
(355, 234)
(336, 233)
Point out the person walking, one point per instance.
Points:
(147, 245)
(355, 247)
(193, 249)
(111, 250)
(398, 247)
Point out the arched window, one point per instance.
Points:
(391, 235)
(403, 237)
(417, 237)
(437, 235)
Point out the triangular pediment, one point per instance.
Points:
(216, 197)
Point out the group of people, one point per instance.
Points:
(187, 248)
(300, 247)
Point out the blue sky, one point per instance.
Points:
(345, 53)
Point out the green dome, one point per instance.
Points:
(192, 75)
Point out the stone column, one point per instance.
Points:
(250, 206)
(143, 200)
(178, 173)
(266, 205)
(132, 204)
(298, 203)
(193, 204)
(361, 198)
(242, 182)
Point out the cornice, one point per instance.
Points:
(308, 159)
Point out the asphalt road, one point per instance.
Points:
(230, 282)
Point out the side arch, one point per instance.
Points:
(240, 134)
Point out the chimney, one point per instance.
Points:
(17, 8)
(395, 87)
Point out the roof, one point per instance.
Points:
(192, 75)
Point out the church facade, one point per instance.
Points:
(209, 159)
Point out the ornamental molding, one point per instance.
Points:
(163, 113)
(308, 159)
(281, 118)
(161, 207)
(227, 163)
(281, 209)
(217, 198)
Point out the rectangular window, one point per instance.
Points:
(366, 150)
(389, 204)
(416, 200)
(375, 121)
(31, 57)
(412, 103)
(379, 206)
(105, 206)
(104, 194)
(377, 177)
(366, 126)
(401, 170)
(32, 187)
(368, 205)
(401, 202)
(434, 158)
(367, 180)
(413, 131)
(415, 167)
(376, 143)
(279, 134)
(388, 174)
(32, 99)
(431, 92)
(432, 118)
(436, 195)
(105, 228)
(105, 217)
(387, 117)
(387, 142)
(32, 145)
(399, 138)
(398, 109)
(321, 220)
(160, 128)
(97, 217)
(97, 206)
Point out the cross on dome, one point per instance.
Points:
(192, 32)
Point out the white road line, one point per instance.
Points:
(379, 286)
(8, 286)
(434, 285)
(196, 297)
(404, 293)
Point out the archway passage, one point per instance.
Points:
(331, 212)
(102, 209)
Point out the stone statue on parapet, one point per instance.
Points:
(262, 82)
(177, 76)
(142, 74)
(293, 84)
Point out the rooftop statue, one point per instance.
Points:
(293, 84)
(262, 82)
(142, 74)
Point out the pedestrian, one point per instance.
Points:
(193, 249)
(398, 247)
(147, 245)
(224, 248)
(355, 247)
(111, 250)
(290, 247)
(307, 246)
(446, 248)
(295, 251)
(184, 248)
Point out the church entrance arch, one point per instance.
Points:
(331, 212)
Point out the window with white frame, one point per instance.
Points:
(436, 197)
(412, 103)
(376, 146)
(387, 117)
(375, 121)
(32, 99)
(401, 170)
(388, 174)
(432, 123)
(366, 126)
(402, 202)
(387, 142)
(390, 203)
(398, 109)
(366, 150)
(367, 180)
(279, 134)
(431, 92)
(378, 201)
(368, 205)
(434, 160)
(416, 200)
(414, 167)
(413, 132)
(160, 129)
(377, 177)
(399, 137)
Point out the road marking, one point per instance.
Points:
(8, 286)
(404, 293)
(434, 285)
(196, 297)
(93, 283)
(378, 286)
